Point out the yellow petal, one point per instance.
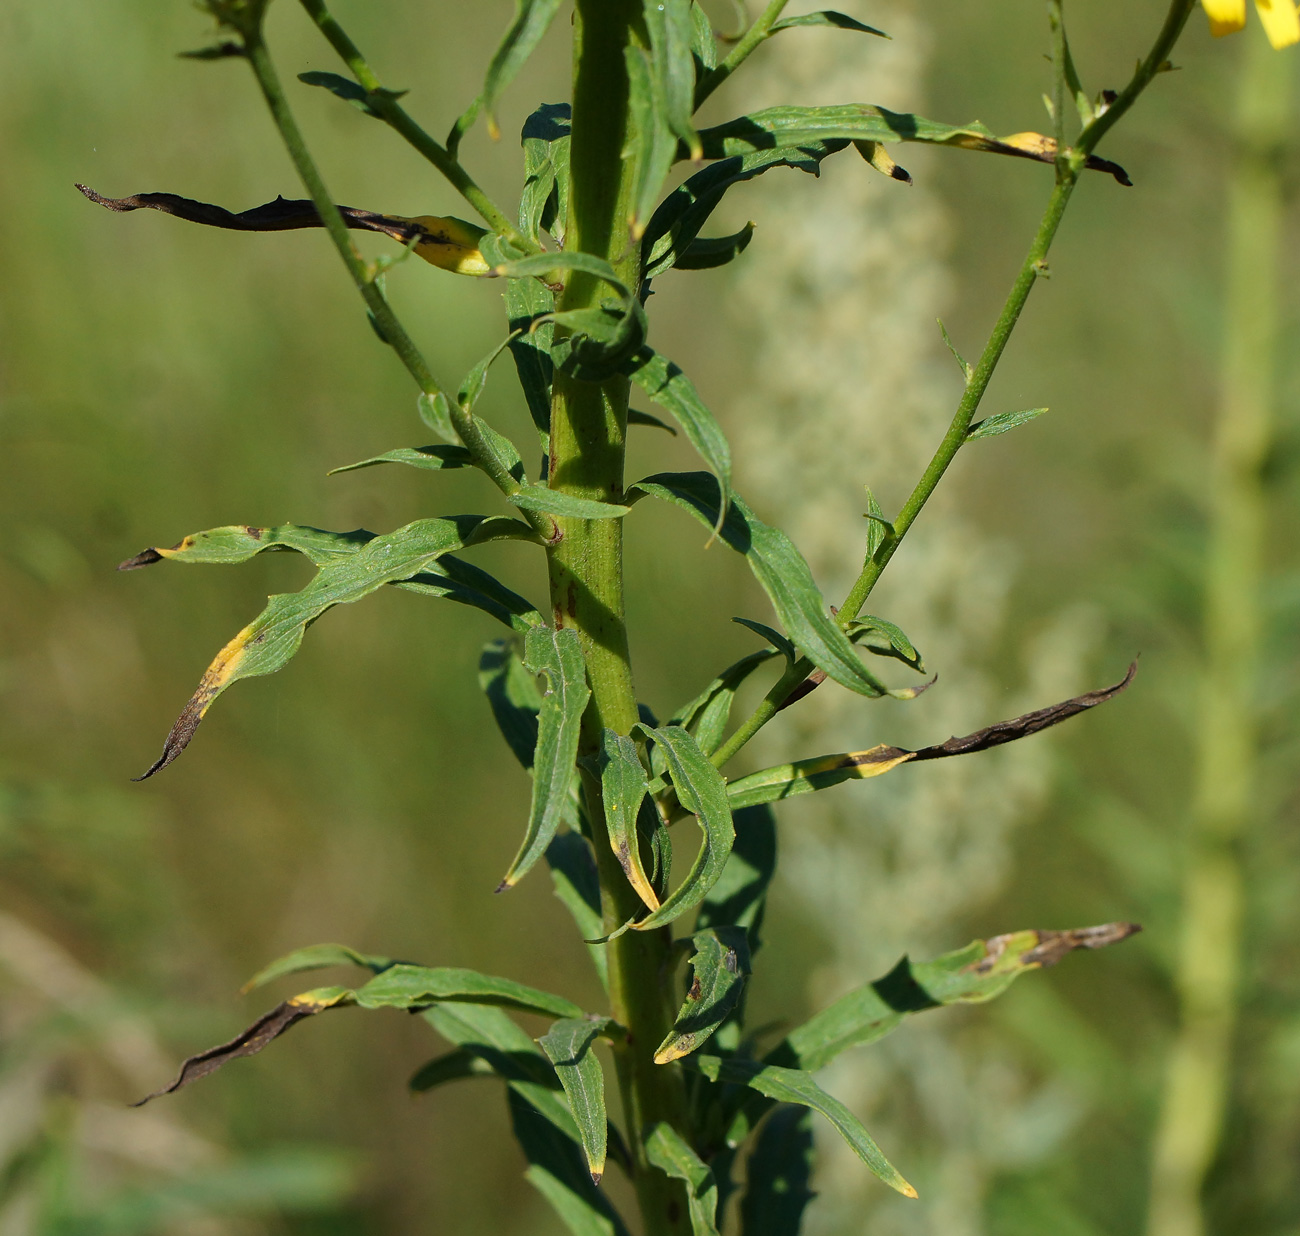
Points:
(1226, 16)
(451, 244)
(1281, 21)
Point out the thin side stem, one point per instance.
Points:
(1209, 970)
(1069, 164)
(397, 117)
(749, 42)
(386, 320)
(588, 435)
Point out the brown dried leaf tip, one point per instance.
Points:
(264, 1030)
(1038, 949)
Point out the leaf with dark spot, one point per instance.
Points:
(264, 1030)
(804, 776)
(720, 967)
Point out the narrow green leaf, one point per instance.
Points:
(780, 568)
(653, 144)
(1000, 422)
(532, 17)
(414, 987)
(877, 527)
(342, 88)
(702, 791)
(623, 784)
(962, 363)
(553, 502)
(827, 17)
(268, 643)
(315, 957)
(796, 1086)
(880, 636)
(677, 222)
(467, 584)
(773, 637)
(710, 252)
(544, 203)
(770, 785)
(433, 458)
(573, 874)
(530, 348)
(707, 714)
(558, 655)
(704, 46)
(568, 1046)
(980, 971)
(644, 418)
(790, 125)
(435, 412)
(669, 1151)
(557, 1170)
(238, 543)
(779, 1175)
(673, 391)
(452, 1066)
(671, 31)
(720, 966)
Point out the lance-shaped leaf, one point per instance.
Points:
(886, 639)
(623, 786)
(778, 1179)
(675, 225)
(467, 584)
(704, 45)
(452, 1066)
(804, 776)
(670, 1152)
(544, 202)
(789, 125)
(1001, 422)
(568, 1046)
(710, 252)
(532, 17)
(315, 957)
(558, 655)
(720, 967)
(707, 714)
(268, 642)
(238, 543)
(796, 1086)
(417, 987)
(431, 458)
(557, 1170)
(980, 971)
(554, 502)
(827, 17)
(264, 1030)
(673, 391)
(530, 347)
(671, 31)
(513, 696)
(702, 791)
(780, 568)
(654, 147)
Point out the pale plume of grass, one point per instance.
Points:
(851, 385)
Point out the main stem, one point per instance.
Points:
(1208, 975)
(588, 433)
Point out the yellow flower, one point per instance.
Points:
(1280, 17)
(450, 243)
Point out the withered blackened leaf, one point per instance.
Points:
(281, 215)
(264, 1030)
(1023, 726)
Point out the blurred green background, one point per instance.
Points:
(158, 378)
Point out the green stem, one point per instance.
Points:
(1208, 974)
(385, 104)
(385, 319)
(1069, 164)
(749, 42)
(588, 432)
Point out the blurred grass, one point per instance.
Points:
(156, 379)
